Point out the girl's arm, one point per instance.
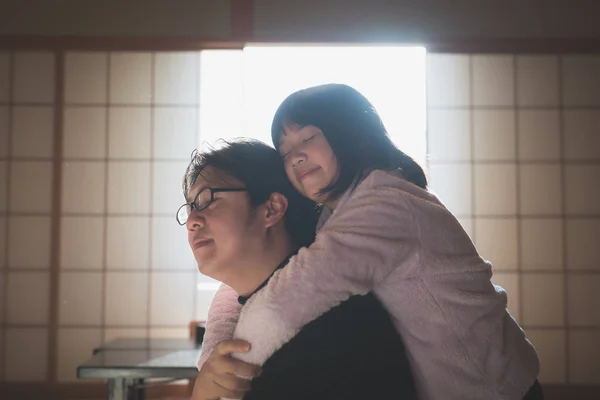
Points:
(223, 316)
(372, 234)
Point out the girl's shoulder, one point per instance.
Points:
(385, 192)
(380, 180)
(389, 189)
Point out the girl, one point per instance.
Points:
(382, 231)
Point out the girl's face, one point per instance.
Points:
(310, 163)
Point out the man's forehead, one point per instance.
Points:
(213, 177)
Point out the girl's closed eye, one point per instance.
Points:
(310, 138)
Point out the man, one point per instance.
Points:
(244, 222)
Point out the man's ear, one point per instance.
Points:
(276, 206)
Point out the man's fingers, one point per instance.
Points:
(241, 368)
(228, 365)
(230, 394)
(232, 346)
(222, 362)
(232, 382)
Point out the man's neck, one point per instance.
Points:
(254, 271)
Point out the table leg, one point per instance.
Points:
(117, 389)
(139, 389)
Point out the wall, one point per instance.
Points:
(26, 176)
(103, 257)
(378, 20)
(514, 151)
(157, 18)
(424, 21)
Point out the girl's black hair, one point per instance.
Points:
(353, 129)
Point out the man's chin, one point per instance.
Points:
(208, 269)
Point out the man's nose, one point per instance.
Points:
(195, 220)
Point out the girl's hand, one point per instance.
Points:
(220, 375)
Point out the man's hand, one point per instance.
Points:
(220, 375)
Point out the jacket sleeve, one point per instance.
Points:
(223, 316)
(372, 234)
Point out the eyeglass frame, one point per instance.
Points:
(212, 199)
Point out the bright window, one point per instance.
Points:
(241, 89)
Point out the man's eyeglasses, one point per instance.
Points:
(202, 200)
